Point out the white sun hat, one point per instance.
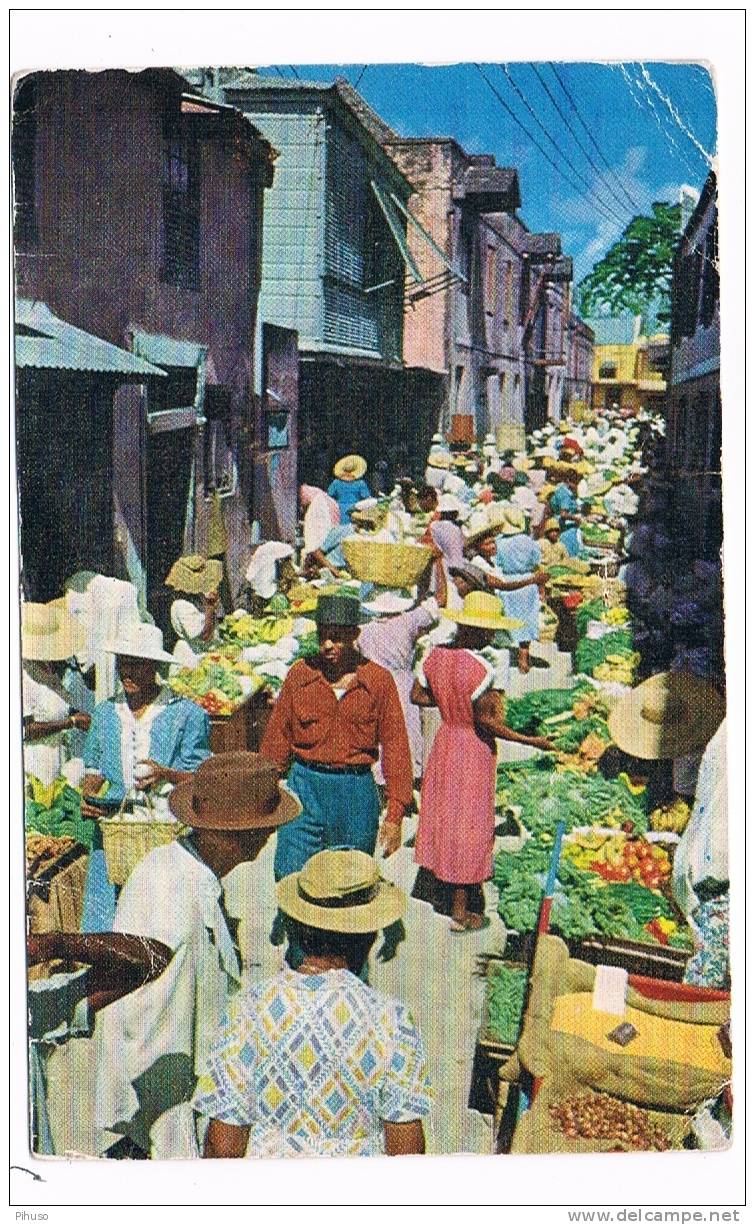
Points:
(142, 641)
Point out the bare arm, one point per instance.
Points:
(421, 696)
(210, 609)
(34, 730)
(225, 1140)
(506, 584)
(402, 1138)
(120, 962)
(489, 715)
(441, 585)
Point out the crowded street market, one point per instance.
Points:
(418, 845)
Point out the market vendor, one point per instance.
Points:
(564, 496)
(571, 535)
(367, 1090)
(50, 639)
(140, 744)
(335, 713)
(669, 716)
(524, 496)
(320, 514)
(153, 1044)
(193, 617)
(349, 485)
(553, 551)
(269, 571)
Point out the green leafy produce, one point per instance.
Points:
(575, 731)
(592, 610)
(544, 798)
(596, 533)
(309, 644)
(526, 714)
(520, 879)
(60, 818)
(507, 988)
(590, 653)
(645, 904)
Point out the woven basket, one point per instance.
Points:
(125, 843)
(386, 563)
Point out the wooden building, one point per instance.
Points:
(138, 219)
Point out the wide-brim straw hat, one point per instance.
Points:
(49, 632)
(195, 575)
(234, 791)
(439, 459)
(341, 891)
(485, 523)
(140, 641)
(514, 522)
(673, 714)
(482, 610)
(350, 468)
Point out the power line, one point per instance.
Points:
(361, 74)
(528, 134)
(293, 69)
(585, 182)
(600, 173)
(592, 139)
(280, 72)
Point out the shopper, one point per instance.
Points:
(342, 1071)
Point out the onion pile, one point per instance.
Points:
(597, 1116)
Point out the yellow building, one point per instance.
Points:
(622, 375)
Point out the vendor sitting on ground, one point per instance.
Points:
(270, 571)
(367, 1091)
(552, 548)
(196, 579)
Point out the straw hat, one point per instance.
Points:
(522, 463)
(673, 714)
(448, 504)
(482, 610)
(551, 525)
(141, 641)
(234, 791)
(439, 459)
(195, 575)
(437, 440)
(486, 522)
(341, 891)
(49, 632)
(514, 522)
(350, 468)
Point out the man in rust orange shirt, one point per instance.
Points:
(334, 714)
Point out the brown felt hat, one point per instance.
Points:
(234, 791)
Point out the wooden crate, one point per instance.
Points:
(244, 729)
(648, 960)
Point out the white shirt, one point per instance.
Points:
(703, 849)
(173, 897)
(187, 620)
(44, 701)
(135, 736)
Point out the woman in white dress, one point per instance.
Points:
(50, 637)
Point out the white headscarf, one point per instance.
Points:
(261, 573)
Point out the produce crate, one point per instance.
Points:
(38, 885)
(647, 960)
(244, 729)
(490, 1052)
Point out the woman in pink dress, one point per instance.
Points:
(454, 846)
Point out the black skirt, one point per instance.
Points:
(439, 893)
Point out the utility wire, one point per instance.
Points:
(361, 74)
(291, 66)
(574, 169)
(280, 72)
(592, 139)
(528, 134)
(600, 173)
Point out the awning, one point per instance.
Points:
(397, 230)
(171, 353)
(45, 342)
(165, 351)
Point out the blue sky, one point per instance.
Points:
(653, 123)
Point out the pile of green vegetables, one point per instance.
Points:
(549, 712)
(308, 645)
(591, 610)
(597, 533)
(61, 818)
(527, 714)
(507, 988)
(544, 798)
(583, 904)
(591, 652)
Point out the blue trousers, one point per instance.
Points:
(337, 810)
(99, 892)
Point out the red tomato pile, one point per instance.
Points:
(647, 864)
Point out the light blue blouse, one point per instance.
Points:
(179, 739)
(347, 494)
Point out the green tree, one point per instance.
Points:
(634, 275)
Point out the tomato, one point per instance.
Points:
(623, 874)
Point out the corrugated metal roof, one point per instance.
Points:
(45, 342)
(166, 350)
(618, 331)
